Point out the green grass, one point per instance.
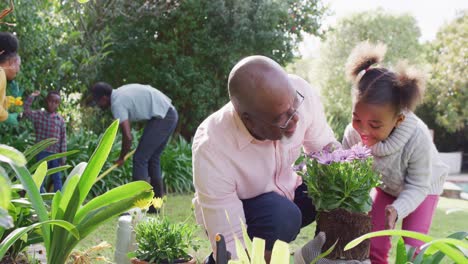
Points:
(179, 208)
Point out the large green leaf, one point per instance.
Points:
(452, 253)
(95, 218)
(96, 161)
(32, 192)
(123, 192)
(5, 186)
(11, 155)
(19, 232)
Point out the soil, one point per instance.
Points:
(137, 261)
(19, 260)
(345, 226)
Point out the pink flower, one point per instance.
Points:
(360, 151)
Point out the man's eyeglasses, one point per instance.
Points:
(296, 104)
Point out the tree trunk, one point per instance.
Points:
(344, 226)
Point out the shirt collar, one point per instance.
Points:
(241, 134)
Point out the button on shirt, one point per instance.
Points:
(230, 165)
(137, 102)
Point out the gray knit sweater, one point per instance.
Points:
(408, 162)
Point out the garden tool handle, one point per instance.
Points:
(111, 168)
(222, 255)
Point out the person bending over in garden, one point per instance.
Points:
(49, 124)
(243, 155)
(405, 156)
(137, 102)
(9, 66)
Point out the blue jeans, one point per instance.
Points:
(56, 177)
(147, 158)
(271, 216)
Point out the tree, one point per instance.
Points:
(187, 48)
(448, 85)
(399, 32)
(445, 109)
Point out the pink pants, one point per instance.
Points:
(419, 220)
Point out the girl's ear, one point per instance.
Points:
(400, 119)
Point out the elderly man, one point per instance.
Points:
(243, 155)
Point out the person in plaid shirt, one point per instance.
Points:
(49, 124)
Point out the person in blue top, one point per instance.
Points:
(138, 102)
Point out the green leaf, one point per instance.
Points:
(258, 251)
(96, 161)
(32, 192)
(247, 241)
(401, 256)
(83, 1)
(40, 174)
(57, 169)
(324, 254)
(123, 192)
(32, 152)
(446, 249)
(20, 232)
(5, 186)
(53, 157)
(11, 155)
(280, 253)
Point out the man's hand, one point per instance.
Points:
(120, 162)
(313, 249)
(391, 217)
(36, 93)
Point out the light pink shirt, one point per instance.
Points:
(230, 165)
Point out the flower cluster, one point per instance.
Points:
(357, 152)
(339, 178)
(15, 104)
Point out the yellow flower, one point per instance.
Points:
(18, 101)
(11, 99)
(157, 202)
(142, 204)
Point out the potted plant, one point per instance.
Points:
(339, 183)
(160, 241)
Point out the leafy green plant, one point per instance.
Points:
(433, 251)
(176, 164)
(160, 240)
(340, 179)
(73, 218)
(254, 250)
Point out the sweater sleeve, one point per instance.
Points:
(417, 179)
(217, 197)
(3, 97)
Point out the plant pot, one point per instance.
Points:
(179, 261)
(344, 226)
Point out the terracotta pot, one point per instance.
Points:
(344, 226)
(179, 261)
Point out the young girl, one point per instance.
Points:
(412, 173)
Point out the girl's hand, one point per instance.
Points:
(391, 217)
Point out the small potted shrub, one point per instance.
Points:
(160, 241)
(339, 183)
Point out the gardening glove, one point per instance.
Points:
(12, 119)
(312, 250)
